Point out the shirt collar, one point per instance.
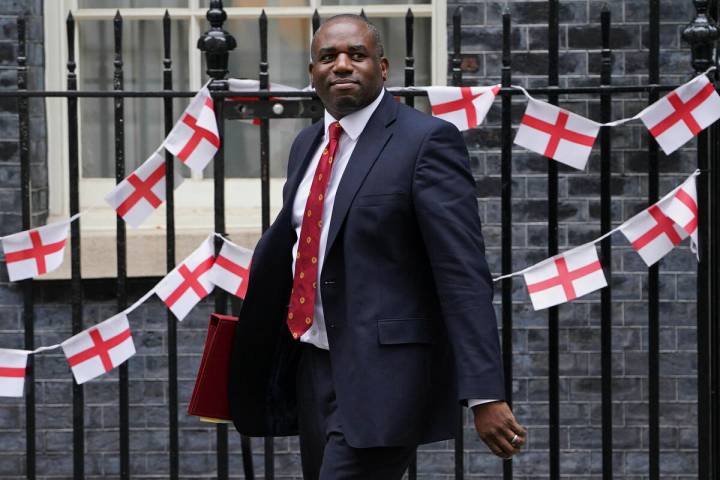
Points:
(354, 124)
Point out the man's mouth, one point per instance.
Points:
(341, 84)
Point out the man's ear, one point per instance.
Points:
(310, 69)
(385, 67)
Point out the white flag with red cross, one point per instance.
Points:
(652, 233)
(557, 133)
(35, 252)
(682, 114)
(195, 139)
(231, 270)
(683, 209)
(100, 348)
(565, 277)
(137, 197)
(464, 107)
(12, 372)
(189, 282)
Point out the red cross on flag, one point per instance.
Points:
(464, 107)
(190, 282)
(683, 209)
(682, 114)
(652, 233)
(12, 372)
(195, 139)
(137, 197)
(557, 133)
(565, 277)
(99, 349)
(34, 252)
(232, 269)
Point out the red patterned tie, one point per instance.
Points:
(302, 298)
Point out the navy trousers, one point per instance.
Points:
(325, 453)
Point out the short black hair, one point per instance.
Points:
(380, 49)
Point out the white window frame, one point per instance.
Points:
(239, 192)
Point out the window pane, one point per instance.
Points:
(142, 69)
(131, 3)
(392, 31)
(372, 2)
(265, 3)
(288, 57)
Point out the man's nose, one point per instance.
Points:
(343, 63)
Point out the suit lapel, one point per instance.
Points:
(371, 143)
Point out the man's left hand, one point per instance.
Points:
(498, 428)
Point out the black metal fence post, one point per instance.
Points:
(121, 244)
(456, 82)
(216, 43)
(506, 217)
(701, 34)
(606, 249)
(552, 233)
(26, 285)
(409, 55)
(168, 121)
(76, 286)
(654, 271)
(264, 79)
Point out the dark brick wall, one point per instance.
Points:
(579, 321)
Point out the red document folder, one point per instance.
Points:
(209, 399)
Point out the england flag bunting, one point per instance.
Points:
(652, 233)
(100, 348)
(683, 209)
(189, 282)
(557, 133)
(231, 270)
(565, 277)
(12, 372)
(195, 139)
(464, 107)
(31, 253)
(137, 197)
(682, 114)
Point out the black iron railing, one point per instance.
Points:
(216, 43)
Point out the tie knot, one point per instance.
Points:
(335, 131)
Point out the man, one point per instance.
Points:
(368, 316)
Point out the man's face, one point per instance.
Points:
(347, 71)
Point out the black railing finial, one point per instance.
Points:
(216, 42)
(264, 76)
(701, 34)
(315, 21)
(456, 55)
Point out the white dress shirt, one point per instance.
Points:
(352, 125)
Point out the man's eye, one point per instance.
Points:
(358, 56)
(325, 58)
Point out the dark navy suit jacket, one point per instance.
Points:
(405, 286)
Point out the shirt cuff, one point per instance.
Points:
(474, 402)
